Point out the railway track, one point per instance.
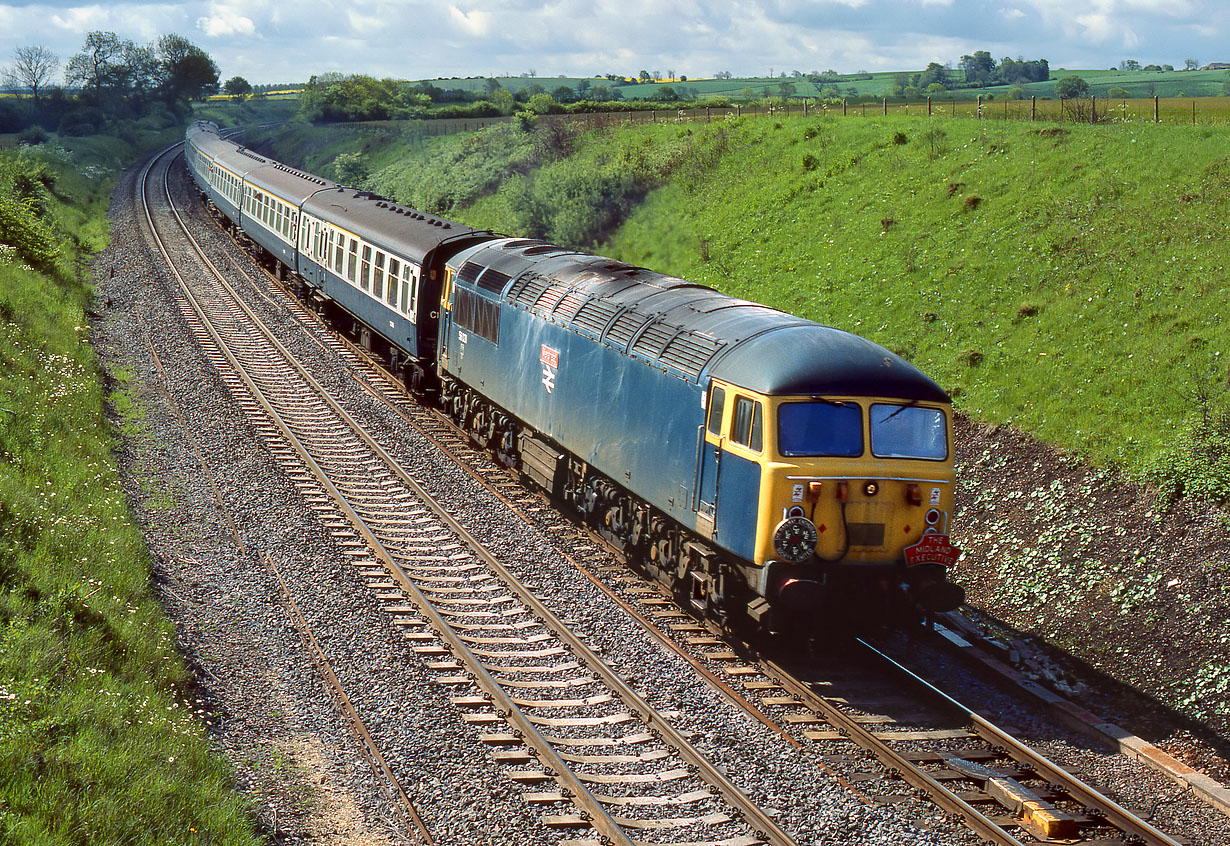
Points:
(936, 748)
(553, 711)
(599, 755)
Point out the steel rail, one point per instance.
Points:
(1123, 819)
(372, 752)
(765, 826)
(974, 819)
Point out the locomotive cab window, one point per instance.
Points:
(908, 431)
(820, 428)
(717, 400)
(747, 427)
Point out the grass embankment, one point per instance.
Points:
(99, 741)
(1065, 279)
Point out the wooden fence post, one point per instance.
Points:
(1156, 114)
(1033, 107)
(979, 107)
(885, 107)
(1093, 108)
(843, 106)
(1193, 112)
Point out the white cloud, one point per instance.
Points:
(224, 19)
(476, 23)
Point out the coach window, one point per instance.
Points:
(339, 247)
(409, 291)
(378, 277)
(366, 274)
(717, 400)
(748, 426)
(394, 270)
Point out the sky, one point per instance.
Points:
(285, 41)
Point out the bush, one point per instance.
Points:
(33, 135)
(1199, 464)
(24, 222)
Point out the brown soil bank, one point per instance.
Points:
(1129, 594)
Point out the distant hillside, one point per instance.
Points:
(1136, 83)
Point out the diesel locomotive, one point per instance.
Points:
(767, 467)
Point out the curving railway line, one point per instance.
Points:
(512, 662)
(592, 753)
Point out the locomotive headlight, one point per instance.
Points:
(795, 539)
(871, 489)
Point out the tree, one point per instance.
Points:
(1071, 88)
(541, 104)
(33, 68)
(935, 74)
(188, 73)
(1129, 65)
(1118, 93)
(643, 76)
(1190, 64)
(95, 67)
(237, 87)
(979, 68)
(667, 94)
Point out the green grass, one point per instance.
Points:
(1068, 283)
(100, 739)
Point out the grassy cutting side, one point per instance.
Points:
(99, 741)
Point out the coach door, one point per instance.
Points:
(710, 463)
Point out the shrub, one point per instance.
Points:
(33, 135)
(1198, 465)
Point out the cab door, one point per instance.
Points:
(446, 317)
(709, 465)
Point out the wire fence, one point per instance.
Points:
(1169, 110)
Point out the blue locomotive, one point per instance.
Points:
(763, 465)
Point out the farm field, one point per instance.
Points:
(1177, 84)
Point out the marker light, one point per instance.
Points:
(913, 494)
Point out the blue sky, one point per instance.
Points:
(271, 41)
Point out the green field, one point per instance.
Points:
(1178, 84)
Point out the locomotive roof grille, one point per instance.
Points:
(689, 352)
(469, 272)
(493, 280)
(594, 316)
(566, 309)
(623, 329)
(653, 338)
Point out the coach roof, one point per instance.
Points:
(385, 223)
